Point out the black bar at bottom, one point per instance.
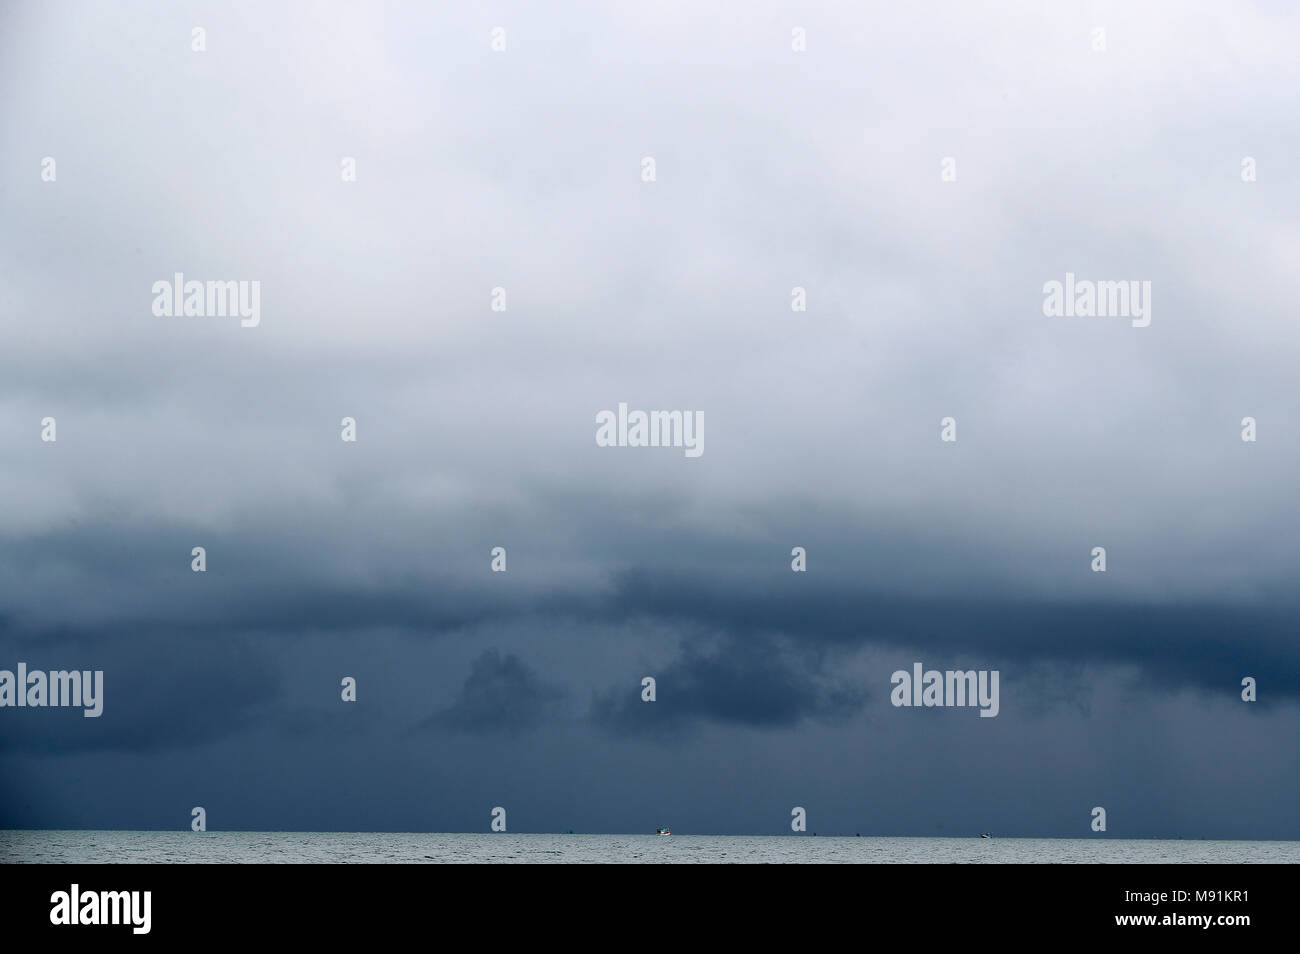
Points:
(376, 902)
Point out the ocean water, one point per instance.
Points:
(431, 848)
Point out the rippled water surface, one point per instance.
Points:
(416, 847)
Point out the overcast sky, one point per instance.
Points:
(522, 169)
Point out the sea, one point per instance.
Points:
(259, 847)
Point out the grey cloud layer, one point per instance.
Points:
(476, 429)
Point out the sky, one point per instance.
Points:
(1117, 155)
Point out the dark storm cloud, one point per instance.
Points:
(750, 646)
(158, 693)
(758, 682)
(1198, 644)
(501, 694)
(1188, 643)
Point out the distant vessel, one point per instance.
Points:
(663, 831)
(986, 835)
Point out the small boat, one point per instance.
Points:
(986, 835)
(663, 831)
